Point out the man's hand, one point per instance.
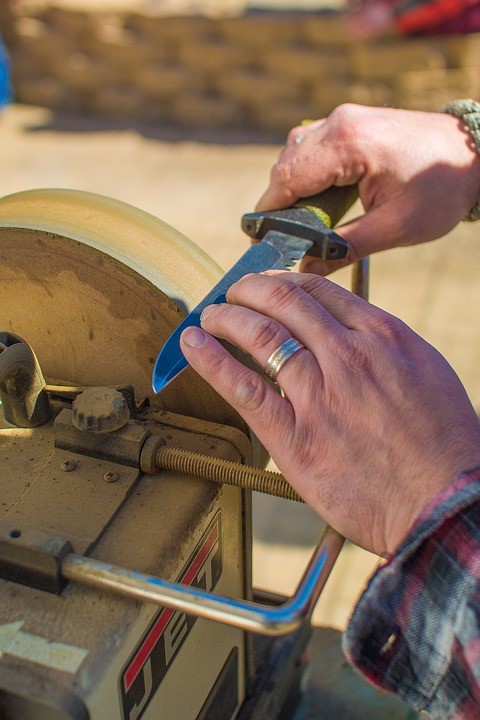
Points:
(418, 174)
(373, 421)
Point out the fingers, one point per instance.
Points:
(416, 174)
(387, 225)
(264, 310)
(321, 267)
(368, 234)
(290, 176)
(317, 156)
(260, 337)
(269, 415)
(286, 302)
(384, 226)
(307, 305)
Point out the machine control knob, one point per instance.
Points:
(100, 410)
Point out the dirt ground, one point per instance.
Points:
(202, 186)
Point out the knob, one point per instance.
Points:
(100, 410)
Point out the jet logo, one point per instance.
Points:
(151, 659)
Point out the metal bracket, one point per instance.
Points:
(32, 557)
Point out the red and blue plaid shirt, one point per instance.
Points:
(416, 629)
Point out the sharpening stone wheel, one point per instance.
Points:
(96, 286)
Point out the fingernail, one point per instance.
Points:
(193, 337)
(206, 312)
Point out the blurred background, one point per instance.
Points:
(230, 64)
(180, 108)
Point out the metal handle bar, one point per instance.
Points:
(262, 619)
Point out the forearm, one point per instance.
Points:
(415, 630)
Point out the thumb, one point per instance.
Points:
(378, 229)
(276, 197)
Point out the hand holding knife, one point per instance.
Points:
(285, 237)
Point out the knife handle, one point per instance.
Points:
(311, 218)
(331, 204)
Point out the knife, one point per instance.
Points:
(285, 237)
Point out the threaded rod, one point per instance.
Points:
(222, 471)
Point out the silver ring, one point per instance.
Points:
(299, 139)
(280, 356)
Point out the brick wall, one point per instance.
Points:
(262, 71)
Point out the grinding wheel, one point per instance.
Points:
(96, 286)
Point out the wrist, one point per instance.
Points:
(468, 112)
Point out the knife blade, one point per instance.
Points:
(276, 250)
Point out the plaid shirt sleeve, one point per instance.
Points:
(416, 629)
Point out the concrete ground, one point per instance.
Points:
(202, 186)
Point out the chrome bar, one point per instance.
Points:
(361, 278)
(254, 617)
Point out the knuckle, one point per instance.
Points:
(321, 287)
(390, 328)
(312, 283)
(293, 134)
(250, 391)
(354, 355)
(286, 175)
(283, 296)
(345, 109)
(349, 137)
(244, 388)
(345, 116)
(264, 333)
(351, 130)
(359, 350)
(217, 363)
(281, 173)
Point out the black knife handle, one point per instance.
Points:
(311, 218)
(331, 204)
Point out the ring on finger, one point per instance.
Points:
(280, 356)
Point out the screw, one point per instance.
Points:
(111, 476)
(68, 465)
